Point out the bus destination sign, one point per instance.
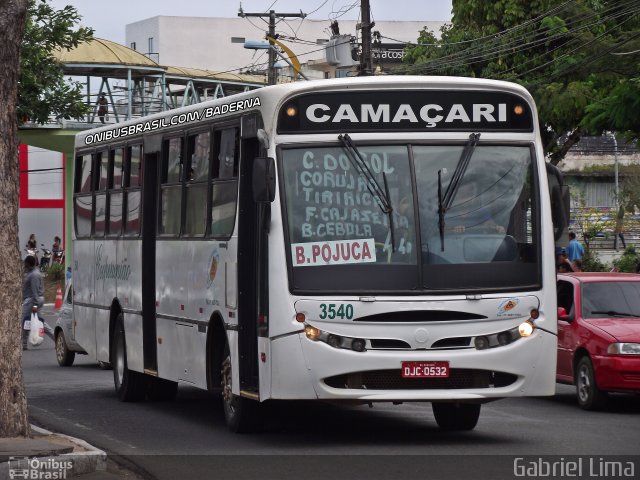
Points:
(407, 110)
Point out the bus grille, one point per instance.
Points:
(392, 380)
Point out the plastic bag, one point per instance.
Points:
(36, 335)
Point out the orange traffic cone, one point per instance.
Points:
(58, 304)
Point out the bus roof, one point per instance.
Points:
(271, 97)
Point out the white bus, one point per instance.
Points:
(382, 239)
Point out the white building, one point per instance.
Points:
(217, 44)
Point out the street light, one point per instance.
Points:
(258, 45)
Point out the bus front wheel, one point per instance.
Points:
(130, 385)
(456, 416)
(240, 414)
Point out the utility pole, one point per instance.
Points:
(366, 60)
(271, 75)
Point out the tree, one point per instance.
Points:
(566, 53)
(32, 86)
(13, 401)
(44, 92)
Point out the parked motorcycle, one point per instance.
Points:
(46, 259)
(32, 252)
(58, 257)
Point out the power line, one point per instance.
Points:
(272, 74)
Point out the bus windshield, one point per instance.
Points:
(339, 236)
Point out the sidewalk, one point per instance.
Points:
(53, 455)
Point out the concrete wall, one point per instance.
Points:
(41, 197)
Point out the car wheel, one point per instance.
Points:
(240, 414)
(64, 356)
(130, 385)
(456, 416)
(590, 397)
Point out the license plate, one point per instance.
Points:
(425, 369)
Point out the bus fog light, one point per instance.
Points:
(312, 333)
(481, 343)
(504, 338)
(358, 344)
(334, 340)
(525, 328)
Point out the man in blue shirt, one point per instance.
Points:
(575, 250)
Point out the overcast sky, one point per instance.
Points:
(109, 18)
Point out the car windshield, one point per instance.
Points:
(342, 235)
(611, 299)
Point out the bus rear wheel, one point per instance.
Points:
(130, 385)
(240, 414)
(456, 416)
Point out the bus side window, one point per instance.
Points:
(115, 192)
(132, 179)
(199, 157)
(171, 188)
(225, 182)
(83, 200)
(102, 161)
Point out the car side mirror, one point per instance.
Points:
(264, 179)
(563, 315)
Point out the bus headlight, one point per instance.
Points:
(335, 341)
(312, 333)
(525, 329)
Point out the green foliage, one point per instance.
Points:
(565, 53)
(617, 111)
(628, 261)
(56, 271)
(43, 90)
(591, 263)
(589, 220)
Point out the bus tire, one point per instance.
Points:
(456, 416)
(240, 414)
(130, 385)
(161, 390)
(589, 396)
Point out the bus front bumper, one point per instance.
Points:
(524, 368)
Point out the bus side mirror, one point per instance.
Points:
(264, 179)
(560, 201)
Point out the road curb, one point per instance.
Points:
(84, 459)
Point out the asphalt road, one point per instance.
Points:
(187, 438)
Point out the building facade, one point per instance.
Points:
(217, 44)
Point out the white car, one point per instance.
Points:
(66, 345)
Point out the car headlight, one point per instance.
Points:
(624, 349)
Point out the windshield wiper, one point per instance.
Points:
(613, 313)
(446, 200)
(381, 196)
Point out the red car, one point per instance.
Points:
(599, 335)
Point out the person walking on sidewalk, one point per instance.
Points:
(617, 233)
(32, 298)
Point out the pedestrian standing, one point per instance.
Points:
(618, 230)
(103, 108)
(32, 298)
(575, 250)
